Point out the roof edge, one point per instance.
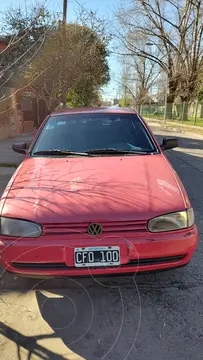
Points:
(106, 110)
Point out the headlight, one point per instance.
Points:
(175, 221)
(19, 228)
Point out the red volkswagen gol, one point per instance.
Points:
(95, 195)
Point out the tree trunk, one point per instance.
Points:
(169, 106)
(184, 115)
(53, 105)
(172, 87)
(178, 111)
(138, 108)
(169, 110)
(201, 111)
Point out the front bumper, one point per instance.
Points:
(54, 256)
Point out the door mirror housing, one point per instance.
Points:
(20, 147)
(168, 144)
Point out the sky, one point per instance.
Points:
(104, 8)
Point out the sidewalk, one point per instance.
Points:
(175, 127)
(7, 155)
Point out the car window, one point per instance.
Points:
(83, 132)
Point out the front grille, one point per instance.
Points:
(108, 227)
(135, 262)
(40, 266)
(155, 261)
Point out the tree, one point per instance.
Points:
(72, 56)
(87, 92)
(174, 30)
(138, 77)
(25, 32)
(84, 94)
(53, 60)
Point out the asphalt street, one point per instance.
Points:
(146, 317)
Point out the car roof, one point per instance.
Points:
(95, 110)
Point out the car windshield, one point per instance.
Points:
(65, 134)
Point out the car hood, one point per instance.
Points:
(93, 189)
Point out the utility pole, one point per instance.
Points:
(64, 40)
(64, 10)
(125, 96)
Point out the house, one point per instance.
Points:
(3, 43)
(20, 110)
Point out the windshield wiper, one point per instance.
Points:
(90, 152)
(60, 152)
(117, 151)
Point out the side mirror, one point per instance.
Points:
(169, 144)
(20, 147)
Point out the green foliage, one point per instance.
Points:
(71, 63)
(200, 95)
(32, 24)
(124, 102)
(84, 94)
(57, 62)
(27, 30)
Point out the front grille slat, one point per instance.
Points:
(108, 227)
(40, 266)
(155, 261)
(135, 262)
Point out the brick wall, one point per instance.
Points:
(2, 45)
(11, 122)
(5, 130)
(11, 119)
(28, 126)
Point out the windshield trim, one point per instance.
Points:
(150, 134)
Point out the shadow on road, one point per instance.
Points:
(29, 343)
(183, 142)
(112, 318)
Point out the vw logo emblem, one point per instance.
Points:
(94, 229)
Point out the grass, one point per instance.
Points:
(8, 165)
(184, 126)
(190, 121)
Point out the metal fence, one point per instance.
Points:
(184, 113)
(153, 111)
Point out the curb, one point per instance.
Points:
(5, 171)
(8, 165)
(165, 127)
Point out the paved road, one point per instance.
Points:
(7, 155)
(146, 317)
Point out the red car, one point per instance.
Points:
(95, 195)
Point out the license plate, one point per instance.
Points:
(97, 256)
